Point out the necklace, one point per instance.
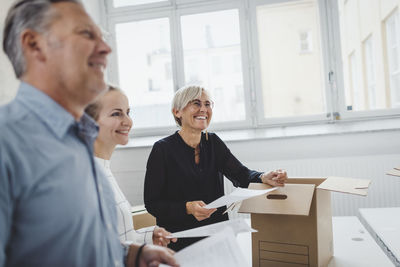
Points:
(197, 151)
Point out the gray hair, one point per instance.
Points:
(26, 14)
(183, 96)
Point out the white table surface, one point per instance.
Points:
(353, 245)
(384, 226)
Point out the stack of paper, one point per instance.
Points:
(218, 250)
(394, 172)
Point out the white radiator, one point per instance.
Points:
(384, 190)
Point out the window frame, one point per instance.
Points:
(111, 10)
(333, 76)
(174, 15)
(348, 116)
(369, 67)
(291, 120)
(395, 16)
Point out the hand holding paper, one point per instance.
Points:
(196, 208)
(238, 194)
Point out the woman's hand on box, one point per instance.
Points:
(274, 178)
(196, 209)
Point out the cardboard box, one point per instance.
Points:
(294, 222)
(141, 218)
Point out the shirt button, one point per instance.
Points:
(117, 263)
(109, 226)
(100, 189)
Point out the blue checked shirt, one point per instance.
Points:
(56, 208)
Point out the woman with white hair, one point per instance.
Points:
(185, 170)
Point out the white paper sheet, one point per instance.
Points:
(239, 194)
(218, 250)
(238, 225)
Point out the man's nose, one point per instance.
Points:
(104, 48)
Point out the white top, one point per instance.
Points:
(125, 222)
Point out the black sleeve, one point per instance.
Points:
(155, 190)
(232, 168)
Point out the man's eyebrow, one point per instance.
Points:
(102, 33)
(84, 26)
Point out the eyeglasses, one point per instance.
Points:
(197, 104)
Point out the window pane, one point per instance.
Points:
(357, 96)
(212, 58)
(395, 83)
(375, 49)
(393, 49)
(145, 71)
(290, 59)
(121, 3)
(370, 71)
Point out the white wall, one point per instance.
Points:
(8, 82)
(365, 155)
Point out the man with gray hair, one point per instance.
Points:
(56, 208)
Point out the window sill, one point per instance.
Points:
(336, 128)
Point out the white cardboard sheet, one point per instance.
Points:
(237, 195)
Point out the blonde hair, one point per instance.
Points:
(183, 96)
(93, 110)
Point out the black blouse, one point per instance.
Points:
(173, 178)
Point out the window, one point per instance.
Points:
(211, 43)
(122, 3)
(367, 33)
(356, 99)
(393, 53)
(142, 70)
(265, 63)
(370, 72)
(291, 68)
(305, 41)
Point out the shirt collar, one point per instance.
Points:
(57, 119)
(87, 129)
(103, 162)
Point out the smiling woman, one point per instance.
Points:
(112, 113)
(185, 170)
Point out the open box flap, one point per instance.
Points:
(297, 202)
(346, 185)
(394, 172)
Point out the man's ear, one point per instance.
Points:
(32, 43)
